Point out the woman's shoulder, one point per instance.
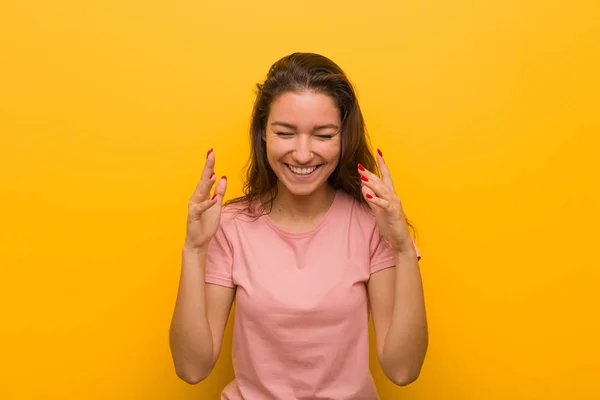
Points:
(350, 203)
(239, 210)
(355, 209)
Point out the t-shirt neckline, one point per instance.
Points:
(311, 231)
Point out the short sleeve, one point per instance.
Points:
(219, 261)
(382, 255)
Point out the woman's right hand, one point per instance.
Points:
(204, 211)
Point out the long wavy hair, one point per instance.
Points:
(300, 72)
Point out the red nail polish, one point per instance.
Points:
(214, 195)
(211, 175)
(360, 167)
(224, 178)
(369, 196)
(364, 178)
(208, 153)
(379, 152)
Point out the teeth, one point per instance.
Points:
(302, 171)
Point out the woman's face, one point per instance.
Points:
(303, 140)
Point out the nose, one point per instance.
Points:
(303, 154)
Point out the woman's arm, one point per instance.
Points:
(199, 319)
(399, 319)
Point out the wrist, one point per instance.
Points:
(409, 253)
(195, 250)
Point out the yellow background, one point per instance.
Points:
(486, 111)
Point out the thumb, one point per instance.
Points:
(368, 192)
(220, 189)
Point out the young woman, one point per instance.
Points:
(318, 240)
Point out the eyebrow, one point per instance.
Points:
(315, 128)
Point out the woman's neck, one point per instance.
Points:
(290, 209)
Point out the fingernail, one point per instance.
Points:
(208, 154)
(224, 178)
(369, 196)
(379, 152)
(214, 195)
(211, 175)
(360, 167)
(364, 178)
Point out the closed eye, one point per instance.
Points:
(324, 136)
(285, 134)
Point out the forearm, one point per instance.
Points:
(190, 334)
(407, 338)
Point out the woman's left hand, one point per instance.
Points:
(385, 203)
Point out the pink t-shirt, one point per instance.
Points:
(301, 316)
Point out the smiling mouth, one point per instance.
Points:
(303, 171)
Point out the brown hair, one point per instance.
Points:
(307, 72)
